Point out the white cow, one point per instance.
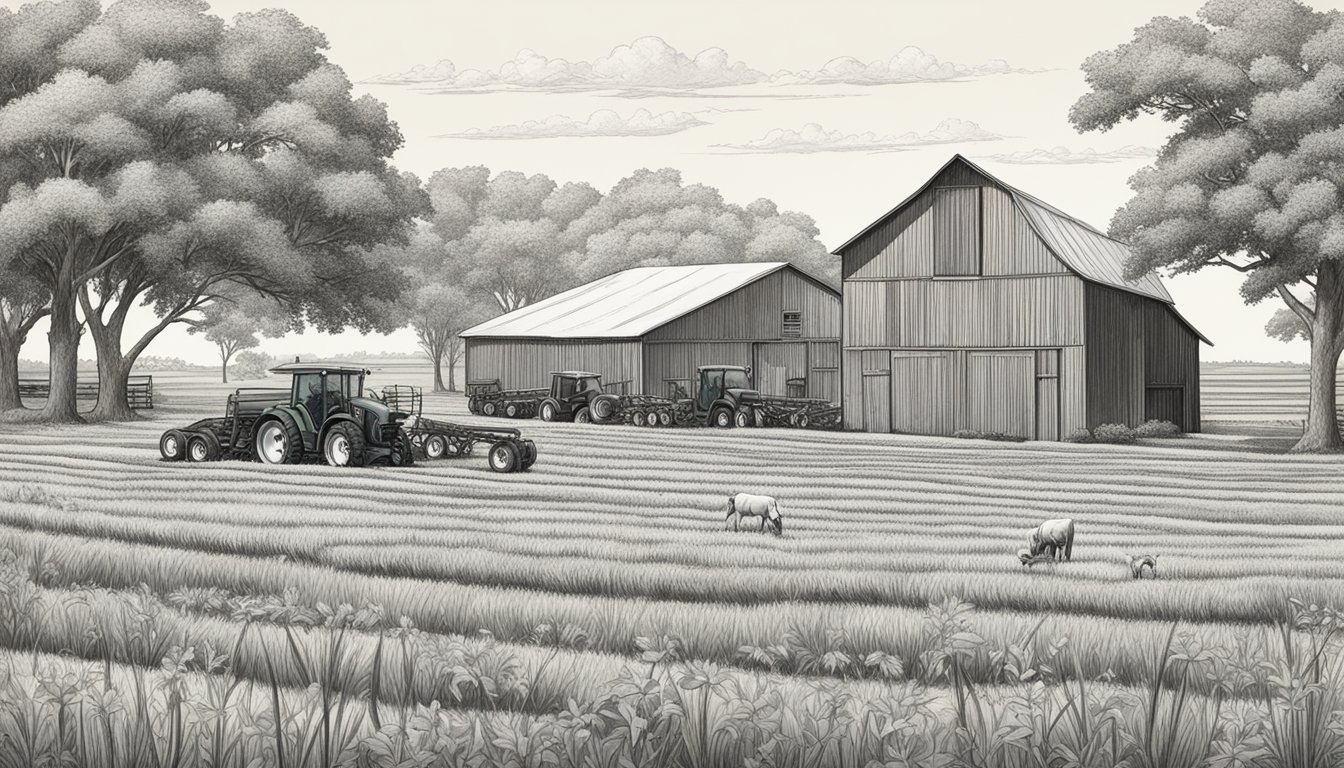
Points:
(751, 505)
(1053, 537)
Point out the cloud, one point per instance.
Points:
(1066, 156)
(603, 122)
(909, 65)
(650, 63)
(814, 138)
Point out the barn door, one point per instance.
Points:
(1047, 394)
(922, 395)
(876, 392)
(1001, 393)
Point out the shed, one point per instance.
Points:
(973, 305)
(647, 329)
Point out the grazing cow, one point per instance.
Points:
(1053, 537)
(1029, 560)
(750, 505)
(1137, 563)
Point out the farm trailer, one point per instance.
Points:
(724, 398)
(326, 415)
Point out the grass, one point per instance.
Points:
(612, 548)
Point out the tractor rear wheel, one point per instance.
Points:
(343, 445)
(605, 407)
(583, 416)
(436, 446)
(721, 418)
(504, 456)
(278, 442)
(202, 446)
(173, 445)
(403, 453)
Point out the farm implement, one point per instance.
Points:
(326, 415)
(724, 398)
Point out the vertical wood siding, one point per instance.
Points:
(756, 312)
(1072, 390)
(1011, 245)
(664, 361)
(956, 231)
(776, 363)
(1171, 356)
(1115, 357)
(851, 375)
(1001, 393)
(923, 396)
(527, 363)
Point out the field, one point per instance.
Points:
(598, 595)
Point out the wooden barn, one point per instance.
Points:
(975, 306)
(651, 327)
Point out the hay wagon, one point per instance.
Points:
(434, 439)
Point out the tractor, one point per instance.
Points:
(572, 392)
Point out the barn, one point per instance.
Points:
(973, 305)
(647, 329)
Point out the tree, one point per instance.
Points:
(175, 159)
(1251, 178)
(440, 307)
(252, 365)
(23, 302)
(233, 329)
(1287, 326)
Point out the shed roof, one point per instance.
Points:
(628, 304)
(1087, 251)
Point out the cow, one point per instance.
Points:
(1137, 563)
(1053, 537)
(751, 505)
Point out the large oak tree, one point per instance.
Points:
(173, 159)
(1251, 179)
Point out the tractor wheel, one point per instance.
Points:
(278, 442)
(473, 405)
(605, 407)
(721, 418)
(403, 453)
(665, 418)
(651, 419)
(202, 446)
(548, 411)
(742, 419)
(637, 418)
(511, 410)
(173, 445)
(529, 454)
(436, 446)
(343, 445)
(488, 408)
(583, 416)
(504, 456)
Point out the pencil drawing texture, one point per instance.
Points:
(360, 411)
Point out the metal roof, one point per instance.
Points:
(625, 305)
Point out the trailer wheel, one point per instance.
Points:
(529, 454)
(278, 443)
(488, 408)
(742, 419)
(511, 410)
(637, 418)
(201, 447)
(721, 418)
(173, 445)
(803, 421)
(504, 456)
(651, 419)
(548, 411)
(435, 447)
(343, 445)
(403, 452)
(583, 416)
(473, 405)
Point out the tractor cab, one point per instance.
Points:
(571, 394)
(329, 415)
(724, 395)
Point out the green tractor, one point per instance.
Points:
(328, 414)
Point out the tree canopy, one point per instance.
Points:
(1251, 177)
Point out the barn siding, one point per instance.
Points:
(1115, 357)
(528, 363)
(756, 312)
(1171, 357)
(677, 360)
(1072, 390)
(956, 231)
(1011, 245)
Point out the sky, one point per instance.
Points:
(838, 110)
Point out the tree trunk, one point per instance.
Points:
(1327, 342)
(63, 339)
(452, 376)
(438, 372)
(225, 371)
(9, 373)
(114, 372)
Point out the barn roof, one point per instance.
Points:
(1090, 253)
(628, 304)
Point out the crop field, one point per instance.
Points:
(594, 611)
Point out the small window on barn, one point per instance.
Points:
(956, 232)
(793, 325)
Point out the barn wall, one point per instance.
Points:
(817, 363)
(756, 311)
(1171, 360)
(677, 360)
(527, 363)
(1115, 357)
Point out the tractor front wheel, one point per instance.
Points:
(278, 443)
(343, 446)
(721, 418)
(173, 445)
(504, 456)
(548, 411)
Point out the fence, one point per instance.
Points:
(139, 390)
